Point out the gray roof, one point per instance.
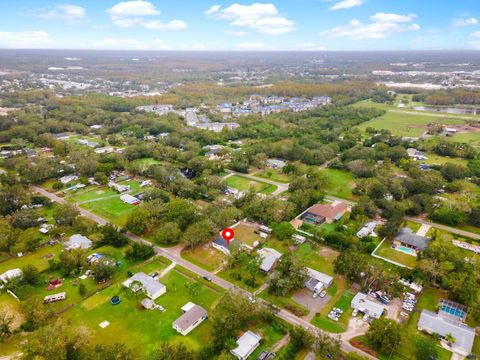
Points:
(190, 317)
(269, 258)
(434, 323)
(246, 344)
(321, 277)
(406, 236)
(78, 241)
(363, 303)
(150, 285)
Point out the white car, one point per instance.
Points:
(323, 294)
(355, 312)
(315, 295)
(252, 299)
(366, 318)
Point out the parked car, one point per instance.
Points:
(208, 278)
(355, 312)
(323, 294)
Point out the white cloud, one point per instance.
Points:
(465, 22)
(134, 13)
(24, 39)
(66, 12)
(235, 33)
(213, 9)
(254, 45)
(346, 4)
(310, 47)
(159, 44)
(120, 43)
(264, 18)
(382, 25)
(475, 34)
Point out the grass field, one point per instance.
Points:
(434, 159)
(472, 138)
(387, 252)
(339, 183)
(39, 259)
(113, 210)
(145, 330)
(323, 322)
(243, 184)
(245, 232)
(274, 175)
(205, 256)
(408, 124)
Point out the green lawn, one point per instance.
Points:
(205, 256)
(39, 259)
(243, 184)
(245, 232)
(434, 159)
(472, 138)
(274, 175)
(342, 302)
(145, 330)
(113, 210)
(406, 122)
(339, 183)
(285, 302)
(387, 252)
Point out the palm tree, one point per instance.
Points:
(449, 339)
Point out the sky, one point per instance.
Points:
(283, 25)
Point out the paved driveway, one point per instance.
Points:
(304, 297)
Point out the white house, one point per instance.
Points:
(192, 316)
(129, 199)
(77, 241)
(269, 258)
(365, 305)
(246, 345)
(152, 288)
(317, 281)
(10, 275)
(367, 230)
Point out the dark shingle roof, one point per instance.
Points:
(406, 236)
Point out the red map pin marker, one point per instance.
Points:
(228, 234)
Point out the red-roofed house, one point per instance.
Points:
(320, 213)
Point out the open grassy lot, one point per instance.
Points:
(285, 302)
(113, 210)
(91, 194)
(406, 122)
(240, 276)
(145, 162)
(274, 175)
(205, 256)
(385, 250)
(145, 330)
(245, 232)
(39, 259)
(339, 183)
(243, 184)
(434, 159)
(472, 138)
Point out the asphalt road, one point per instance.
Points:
(173, 254)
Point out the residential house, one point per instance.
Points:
(276, 163)
(363, 303)
(192, 316)
(129, 199)
(367, 230)
(77, 241)
(67, 179)
(222, 245)
(317, 281)
(408, 239)
(320, 213)
(416, 155)
(152, 288)
(246, 345)
(434, 323)
(269, 258)
(10, 275)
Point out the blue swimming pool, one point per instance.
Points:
(406, 250)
